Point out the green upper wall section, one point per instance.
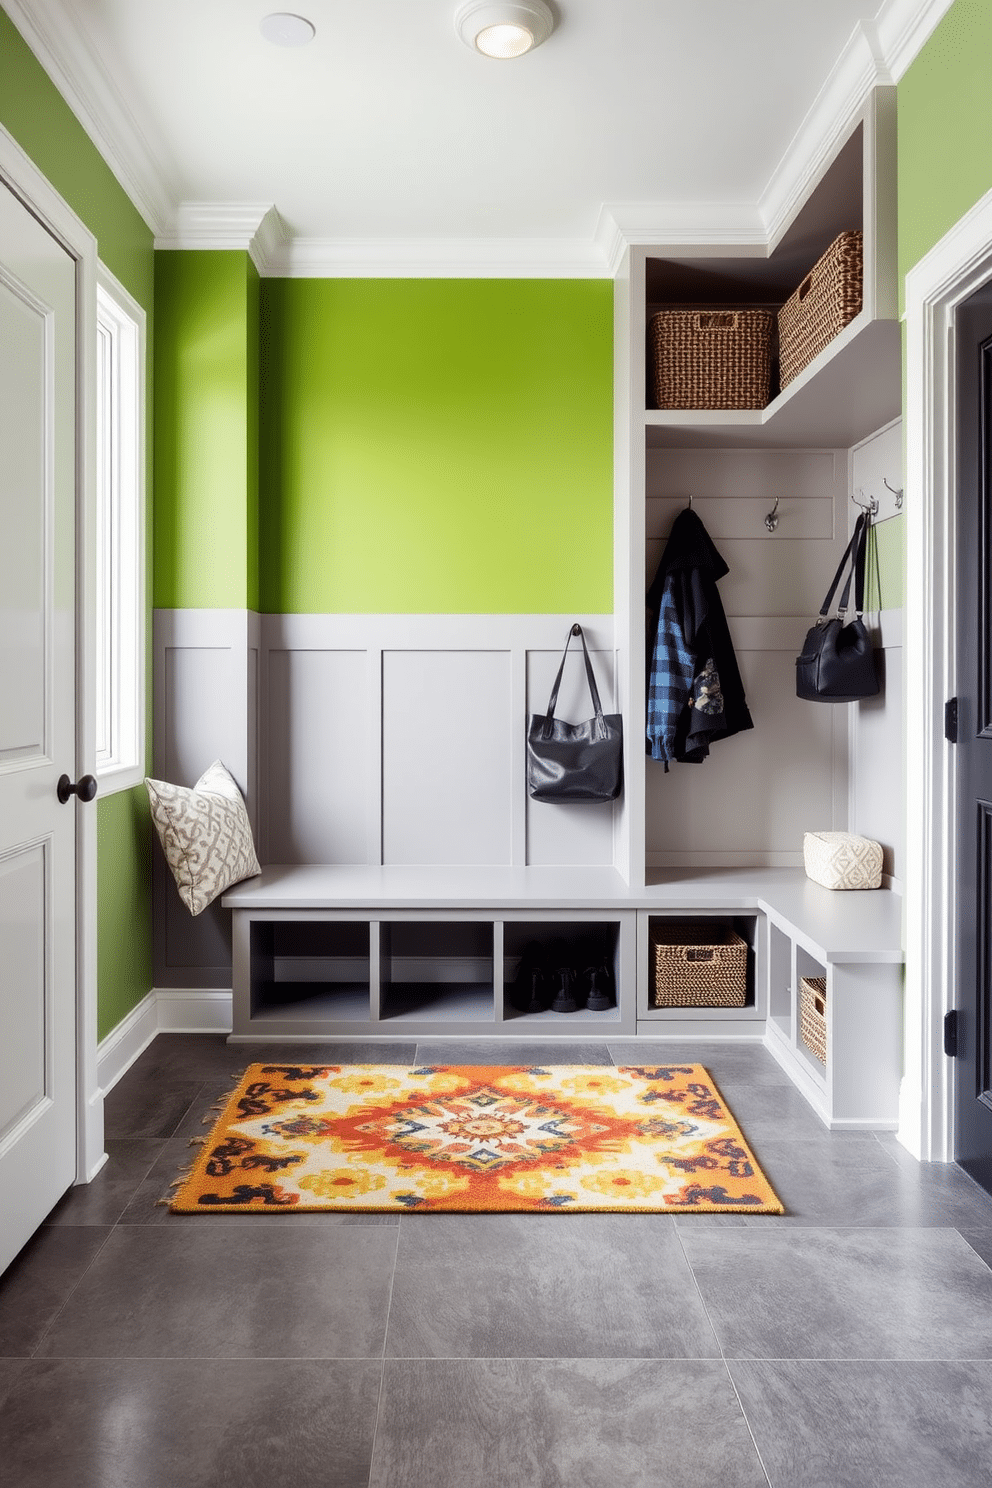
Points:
(945, 155)
(206, 431)
(46, 129)
(436, 446)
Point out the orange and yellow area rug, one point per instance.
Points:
(369, 1138)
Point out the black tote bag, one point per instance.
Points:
(569, 762)
(837, 664)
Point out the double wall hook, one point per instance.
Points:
(771, 521)
(897, 494)
(870, 506)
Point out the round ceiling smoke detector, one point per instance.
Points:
(504, 30)
(283, 29)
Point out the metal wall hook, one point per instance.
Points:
(771, 521)
(689, 507)
(897, 494)
(870, 506)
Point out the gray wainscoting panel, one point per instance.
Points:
(878, 806)
(366, 739)
(204, 711)
(751, 800)
(784, 572)
(574, 835)
(318, 737)
(447, 743)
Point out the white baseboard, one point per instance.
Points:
(197, 1010)
(117, 1052)
(163, 1010)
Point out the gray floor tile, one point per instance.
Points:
(544, 1286)
(41, 1280)
(791, 1293)
(203, 1424)
(576, 1423)
(944, 1188)
(146, 1103)
(869, 1425)
(193, 1292)
(204, 1110)
(980, 1241)
(505, 1051)
(848, 1182)
(10, 1371)
(103, 1201)
(202, 1055)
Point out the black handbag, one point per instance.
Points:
(575, 761)
(837, 664)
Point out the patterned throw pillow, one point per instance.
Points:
(205, 835)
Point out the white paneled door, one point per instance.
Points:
(37, 722)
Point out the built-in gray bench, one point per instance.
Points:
(364, 952)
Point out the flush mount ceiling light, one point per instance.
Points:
(504, 28)
(287, 30)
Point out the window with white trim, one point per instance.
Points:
(120, 537)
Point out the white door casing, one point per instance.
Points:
(958, 265)
(37, 721)
(51, 1117)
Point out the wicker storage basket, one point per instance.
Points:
(813, 1015)
(696, 964)
(711, 358)
(829, 297)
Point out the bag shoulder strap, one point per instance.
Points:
(590, 677)
(849, 563)
(860, 563)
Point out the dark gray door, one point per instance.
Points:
(973, 1126)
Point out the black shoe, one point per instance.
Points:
(602, 988)
(565, 1000)
(531, 991)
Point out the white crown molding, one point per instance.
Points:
(904, 26)
(249, 227)
(858, 69)
(718, 227)
(437, 258)
(63, 49)
(877, 52)
(258, 229)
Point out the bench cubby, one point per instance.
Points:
(338, 953)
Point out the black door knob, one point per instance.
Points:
(84, 788)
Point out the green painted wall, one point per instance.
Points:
(436, 446)
(124, 847)
(885, 579)
(206, 422)
(945, 158)
(44, 126)
(34, 113)
(945, 167)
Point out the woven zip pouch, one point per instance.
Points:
(842, 860)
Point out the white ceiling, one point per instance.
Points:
(387, 132)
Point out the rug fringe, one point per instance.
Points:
(183, 1176)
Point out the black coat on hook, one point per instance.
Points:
(695, 692)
